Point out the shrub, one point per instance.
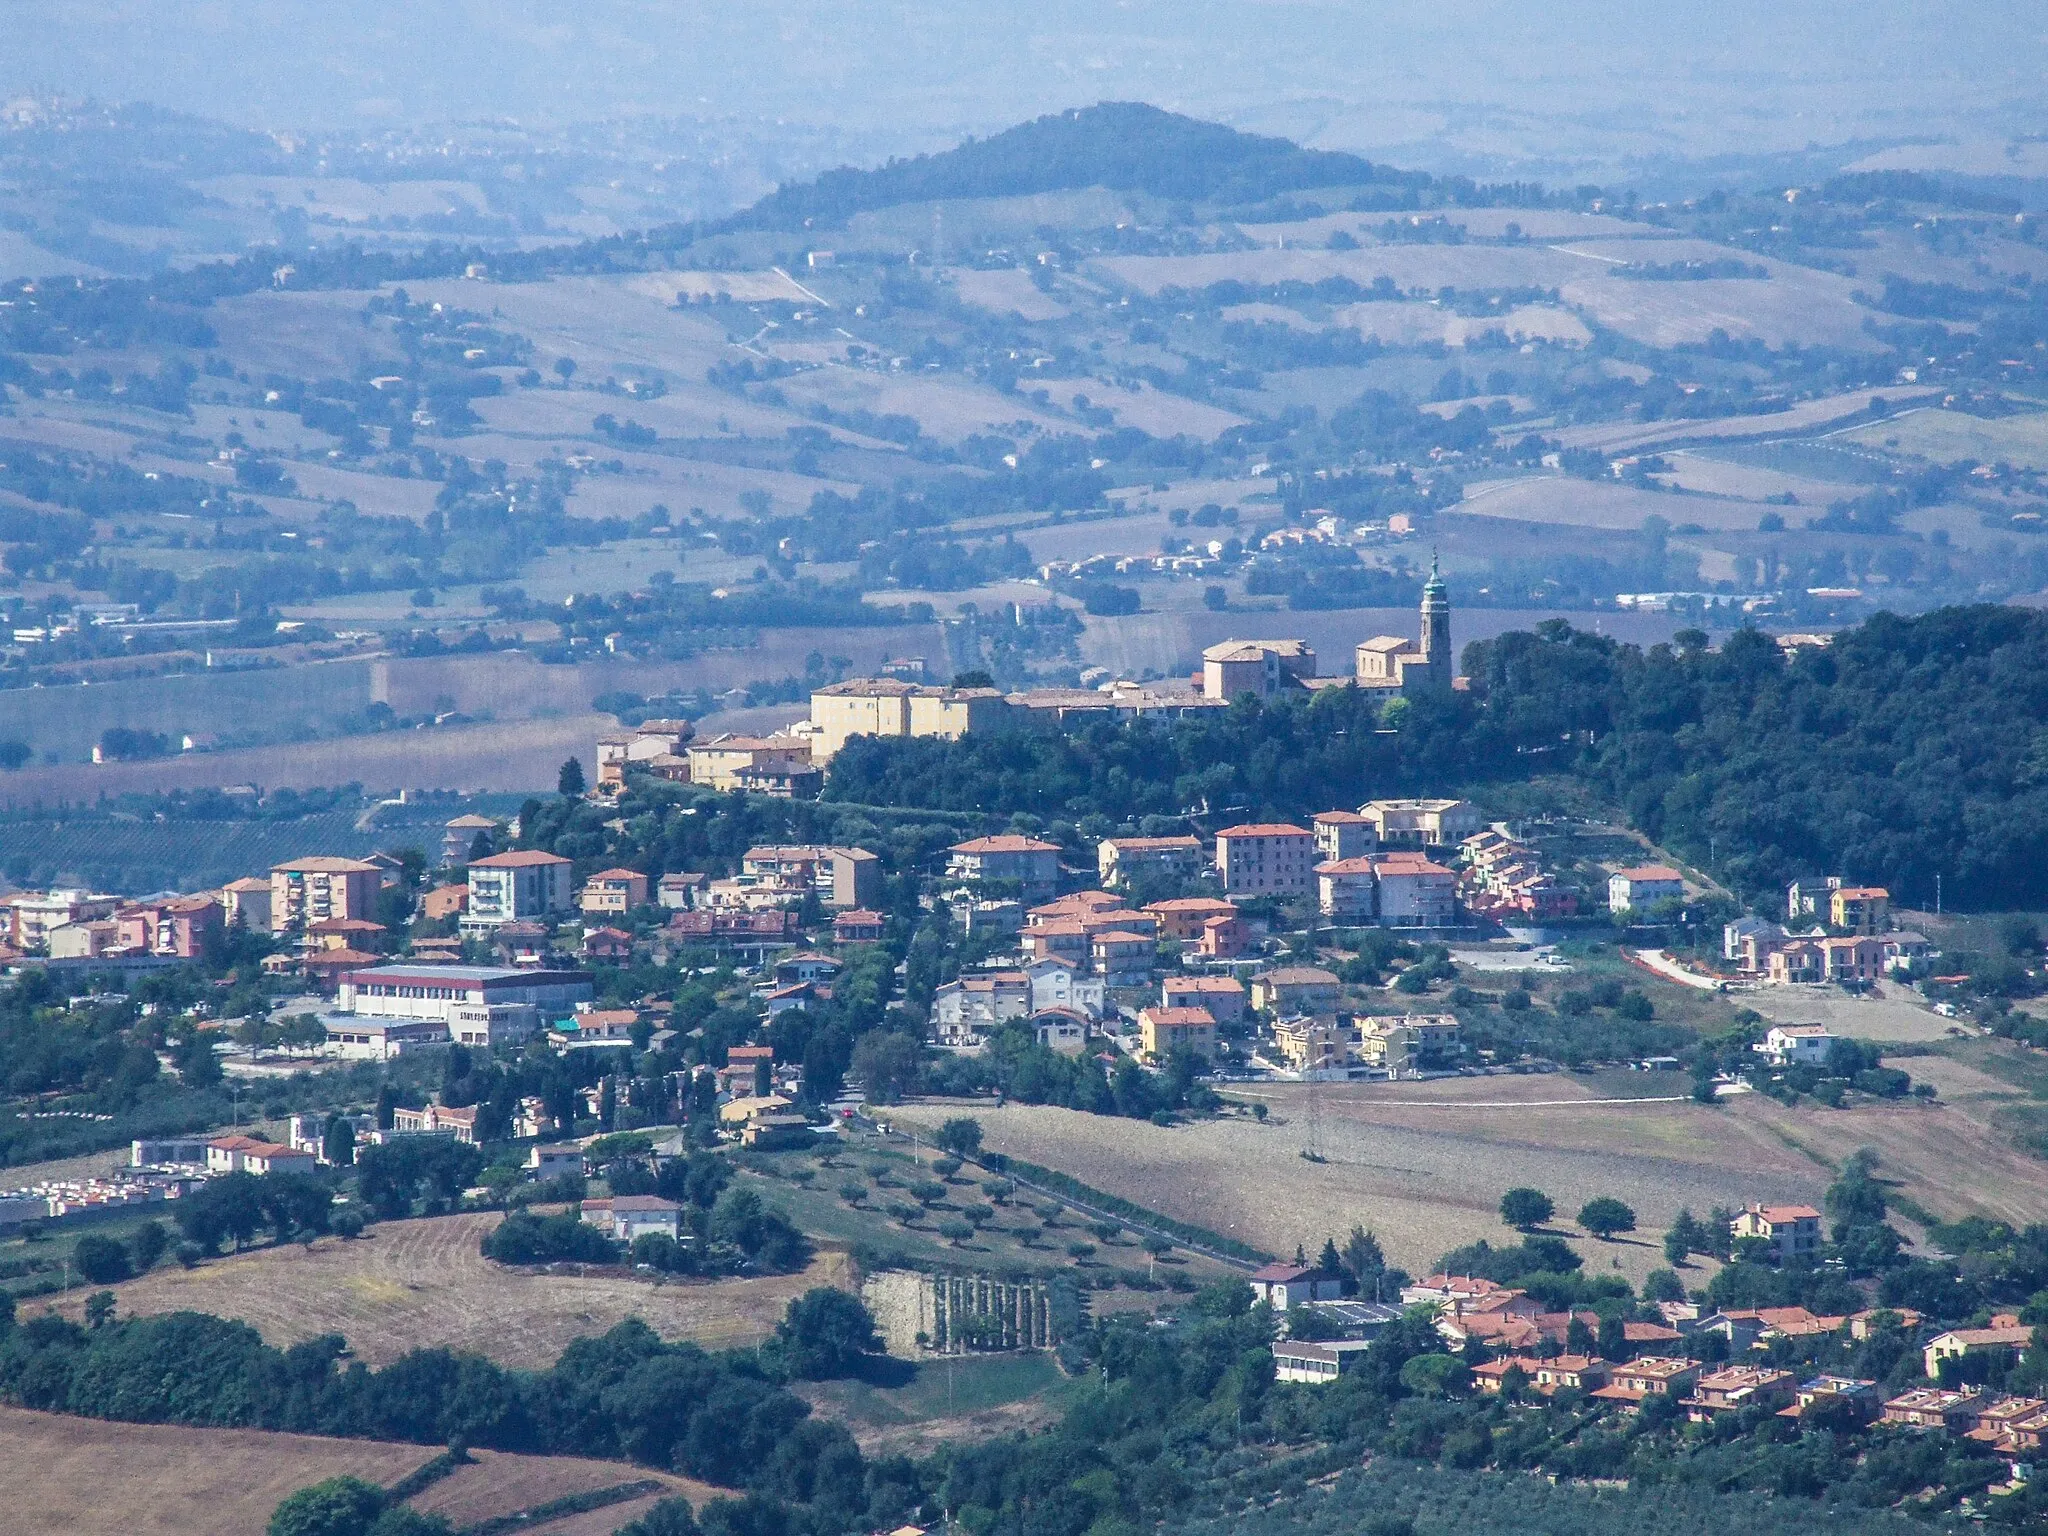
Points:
(1080, 1252)
(946, 1167)
(955, 1232)
(852, 1192)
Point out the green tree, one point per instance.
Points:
(99, 1309)
(147, 1245)
(825, 1334)
(569, 782)
(1435, 1375)
(960, 1136)
(1525, 1209)
(1604, 1216)
(338, 1143)
(400, 1521)
(670, 1517)
(341, 1506)
(101, 1259)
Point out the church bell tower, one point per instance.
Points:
(1436, 625)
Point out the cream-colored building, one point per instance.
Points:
(1261, 668)
(312, 890)
(1310, 1044)
(1266, 859)
(887, 706)
(726, 762)
(1421, 823)
(1394, 662)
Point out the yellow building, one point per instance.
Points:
(1163, 1030)
(887, 706)
(1860, 908)
(724, 761)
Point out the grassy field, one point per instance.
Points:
(414, 1284)
(954, 1400)
(497, 1484)
(1948, 436)
(1595, 504)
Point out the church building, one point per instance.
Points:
(1393, 662)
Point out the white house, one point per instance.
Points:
(553, 1162)
(1796, 1045)
(1638, 889)
(1281, 1286)
(1062, 1030)
(625, 1217)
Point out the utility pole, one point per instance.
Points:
(1937, 895)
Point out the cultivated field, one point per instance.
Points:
(1576, 503)
(955, 1401)
(416, 1284)
(498, 1484)
(1948, 436)
(62, 1476)
(1808, 416)
(1422, 1164)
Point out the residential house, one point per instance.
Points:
(1490, 1377)
(1296, 989)
(1570, 1373)
(1749, 943)
(553, 1162)
(1406, 1044)
(726, 761)
(444, 902)
(525, 885)
(1057, 984)
(1796, 1045)
(1266, 859)
(1648, 1376)
(1123, 958)
(1164, 1030)
(605, 1027)
(613, 890)
(1316, 1364)
(1644, 887)
(1065, 940)
(1223, 996)
(83, 941)
(2002, 1339)
(437, 1120)
(1421, 824)
(859, 926)
(458, 838)
(178, 927)
(1862, 1398)
(680, 891)
(1121, 860)
(1906, 949)
(31, 916)
(969, 1008)
(1348, 891)
(1284, 1286)
(2011, 1424)
(1860, 909)
(1411, 891)
(1183, 917)
(248, 1154)
(1733, 1388)
(247, 902)
(843, 878)
(1793, 1231)
(1061, 1029)
(305, 891)
(1807, 898)
(1934, 1408)
(1224, 938)
(1310, 1045)
(808, 966)
(626, 1217)
(1342, 835)
(609, 944)
(351, 933)
(1027, 863)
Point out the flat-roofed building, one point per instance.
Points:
(888, 706)
(1030, 864)
(1266, 859)
(841, 877)
(525, 885)
(1162, 1031)
(309, 890)
(1344, 835)
(1293, 989)
(1421, 823)
(1123, 859)
(1261, 668)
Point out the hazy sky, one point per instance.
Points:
(1512, 80)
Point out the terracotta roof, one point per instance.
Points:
(1650, 872)
(1007, 842)
(322, 864)
(1165, 1017)
(1266, 829)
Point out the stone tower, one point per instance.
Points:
(1436, 625)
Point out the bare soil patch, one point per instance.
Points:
(415, 1284)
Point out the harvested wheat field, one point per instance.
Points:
(62, 1476)
(416, 1284)
(497, 1484)
(1422, 1164)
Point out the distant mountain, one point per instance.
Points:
(1122, 145)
